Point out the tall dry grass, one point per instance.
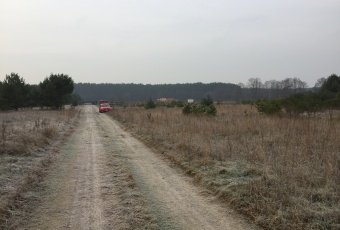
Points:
(27, 144)
(282, 172)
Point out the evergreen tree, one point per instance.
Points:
(1, 98)
(13, 92)
(34, 96)
(55, 90)
(150, 104)
(331, 84)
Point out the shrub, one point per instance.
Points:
(150, 104)
(300, 103)
(198, 108)
(207, 101)
(186, 109)
(205, 107)
(211, 110)
(269, 106)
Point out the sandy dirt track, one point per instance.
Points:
(104, 178)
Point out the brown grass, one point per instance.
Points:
(282, 172)
(28, 143)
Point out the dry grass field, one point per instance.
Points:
(282, 172)
(27, 144)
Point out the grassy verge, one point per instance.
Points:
(282, 172)
(29, 139)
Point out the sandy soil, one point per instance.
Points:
(104, 178)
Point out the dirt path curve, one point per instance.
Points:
(106, 179)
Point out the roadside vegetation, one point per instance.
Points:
(281, 170)
(29, 140)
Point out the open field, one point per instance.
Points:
(29, 140)
(282, 172)
(100, 177)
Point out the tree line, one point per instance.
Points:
(256, 89)
(326, 96)
(252, 90)
(58, 89)
(139, 92)
(54, 91)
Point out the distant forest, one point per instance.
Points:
(222, 92)
(140, 92)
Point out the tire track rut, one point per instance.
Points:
(89, 187)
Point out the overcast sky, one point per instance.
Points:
(173, 41)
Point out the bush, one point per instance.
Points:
(211, 110)
(207, 101)
(269, 106)
(205, 107)
(300, 103)
(198, 108)
(150, 104)
(186, 109)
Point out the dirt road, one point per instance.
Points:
(104, 178)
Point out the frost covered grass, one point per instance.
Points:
(29, 138)
(282, 172)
